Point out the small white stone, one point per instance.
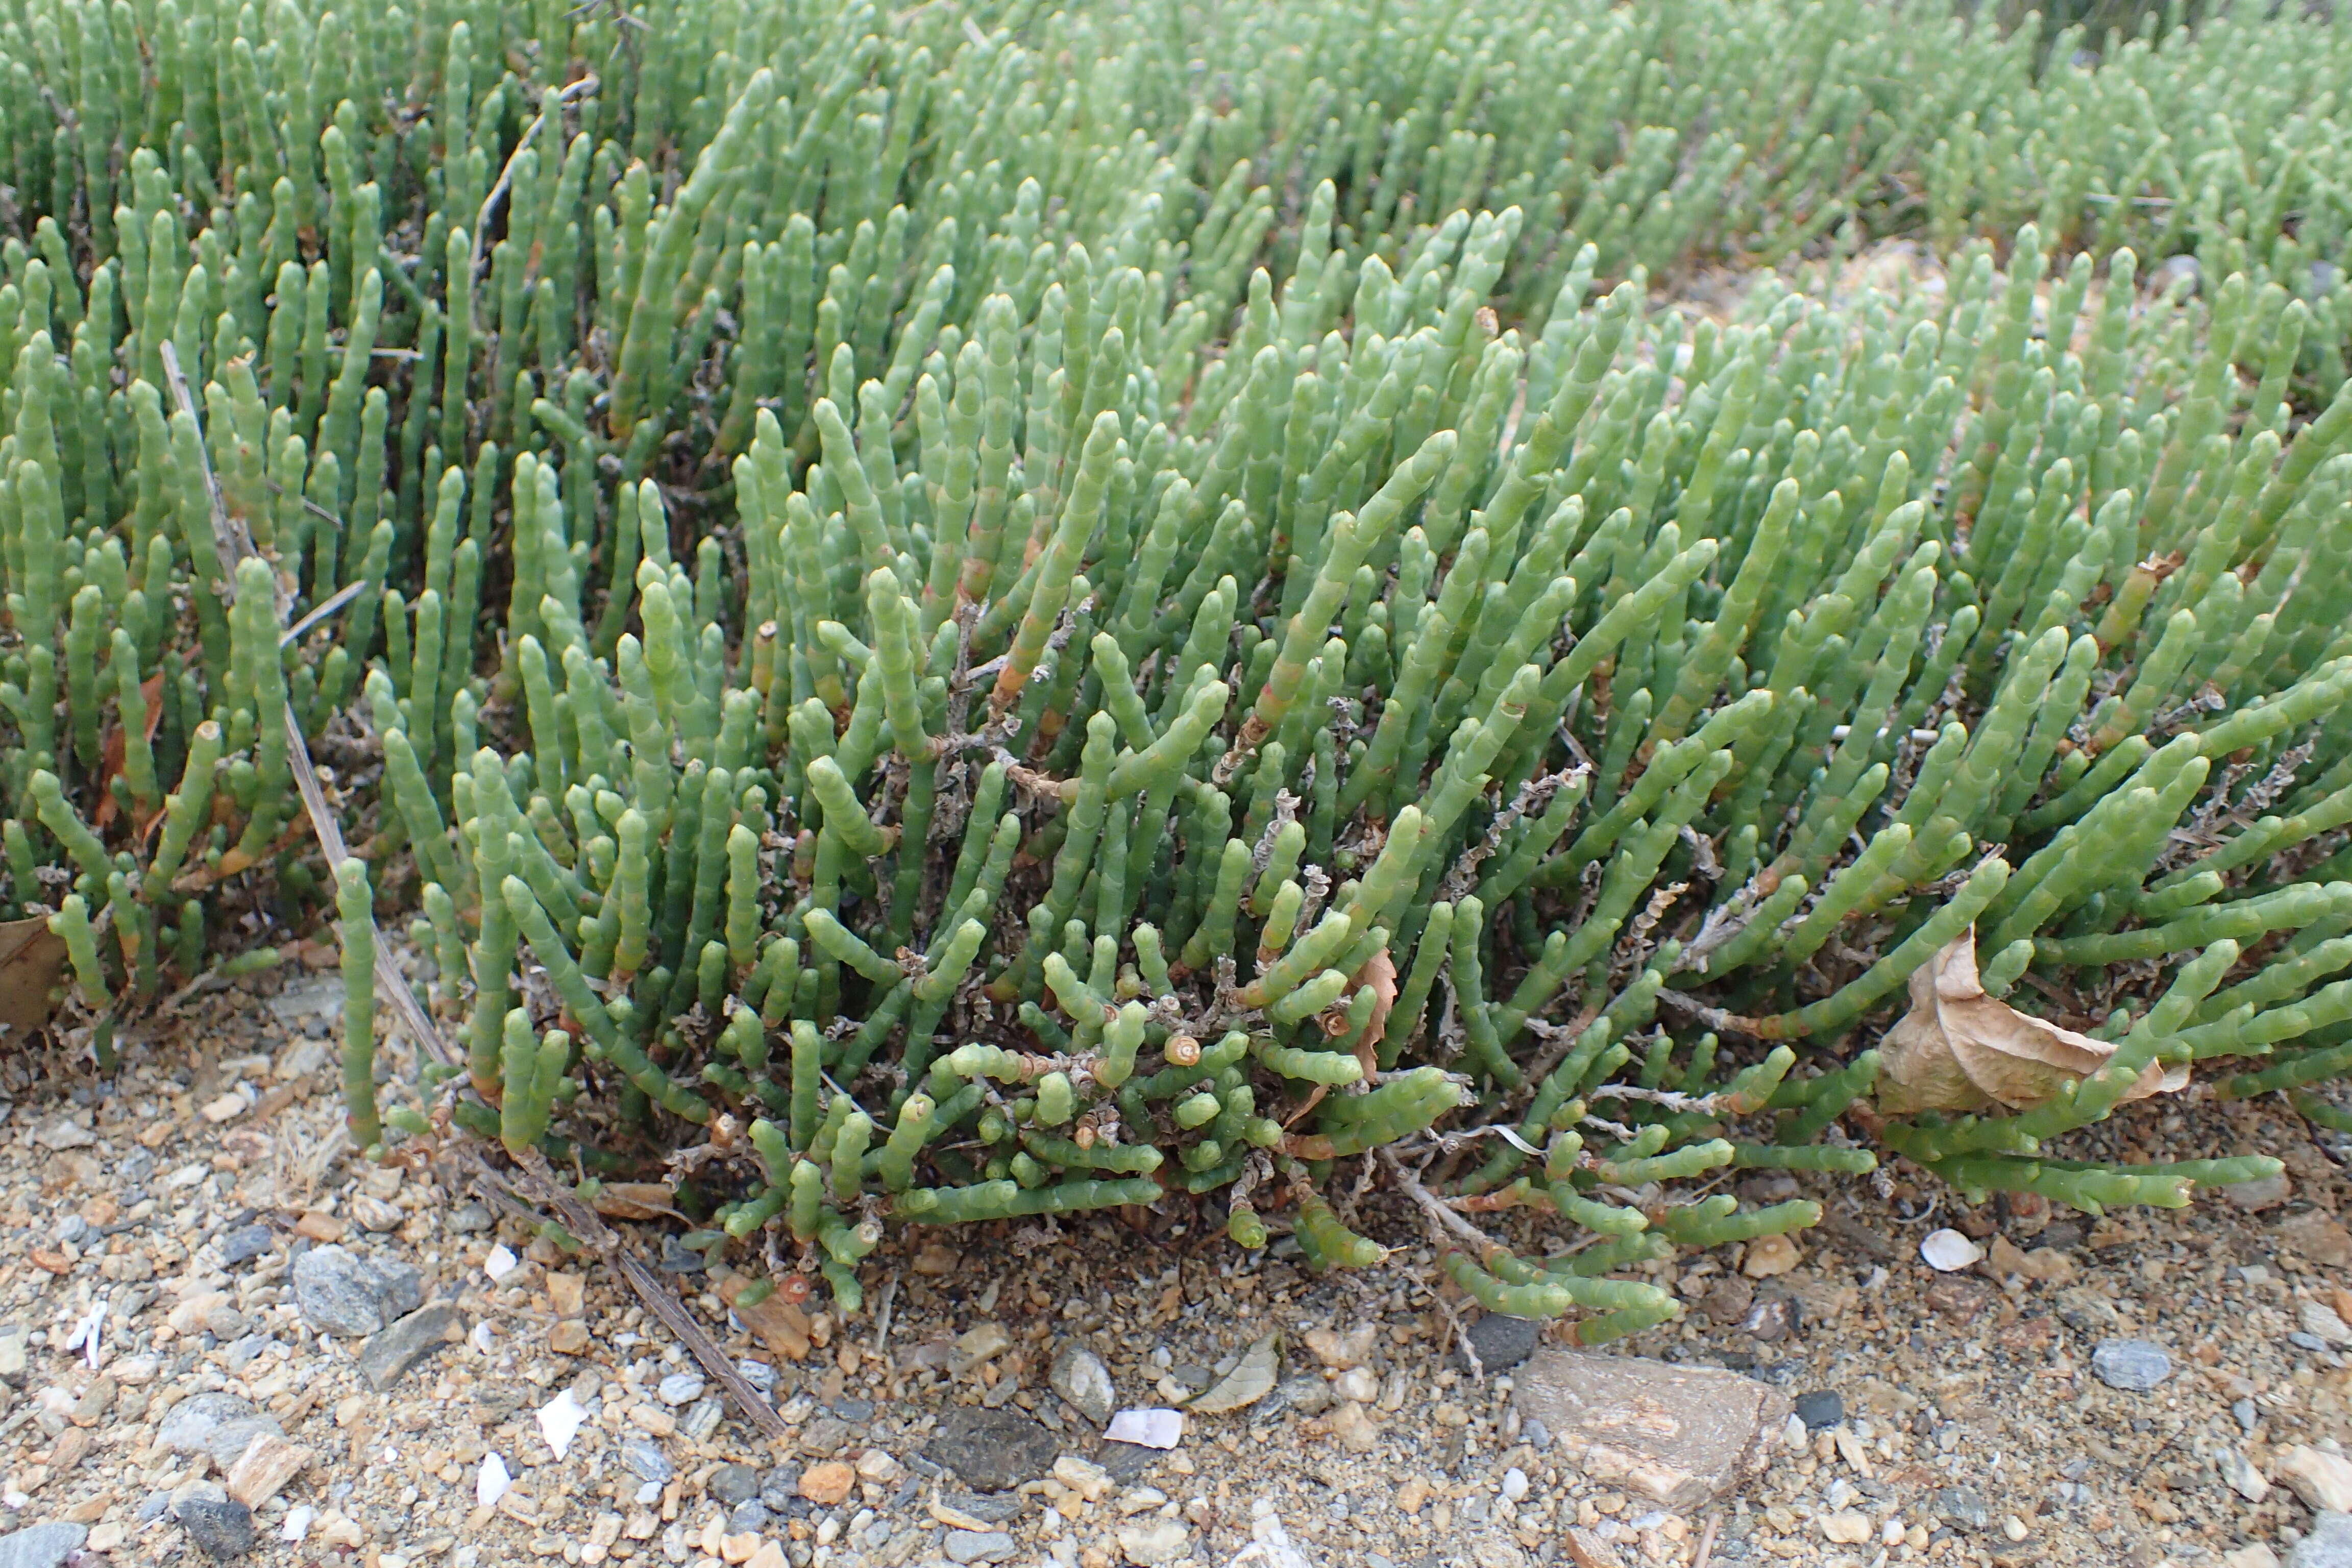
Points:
(649, 1494)
(1150, 1429)
(560, 1420)
(1946, 1251)
(492, 1482)
(297, 1522)
(483, 1340)
(1515, 1483)
(501, 1263)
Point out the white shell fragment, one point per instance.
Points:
(492, 1482)
(1148, 1428)
(560, 1420)
(501, 1263)
(1947, 1249)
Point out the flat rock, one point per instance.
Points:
(221, 1426)
(1079, 1377)
(2329, 1544)
(2134, 1366)
(1676, 1435)
(1964, 1507)
(244, 1244)
(647, 1461)
(42, 1546)
(979, 1546)
(340, 1292)
(222, 1528)
(990, 1450)
(386, 1359)
(2322, 1480)
(1502, 1342)
(1149, 1542)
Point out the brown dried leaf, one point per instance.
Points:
(1959, 1049)
(31, 959)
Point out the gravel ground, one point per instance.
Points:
(205, 1196)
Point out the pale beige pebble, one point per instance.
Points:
(2323, 1480)
(1357, 1431)
(192, 1311)
(1769, 1256)
(336, 1530)
(228, 1107)
(641, 1526)
(653, 1420)
(567, 1294)
(90, 1511)
(937, 1259)
(268, 1463)
(1586, 1549)
(738, 1549)
(374, 1215)
(605, 1531)
(568, 1337)
(109, 1537)
(2014, 1527)
(2257, 1555)
(1340, 1352)
(769, 1555)
(2320, 1319)
(956, 1519)
(1149, 1542)
(319, 1225)
(1411, 1496)
(826, 1484)
(1090, 1481)
(1847, 1529)
(1357, 1384)
(981, 1343)
(880, 1466)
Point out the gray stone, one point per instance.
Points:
(1502, 1342)
(386, 1359)
(749, 1518)
(645, 1461)
(680, 1388)
(223, 1529)
(1818, 1409)
(152, 1507)
(997, 1508)
(1306, 1393)
(219, 1424)
(1964, 1507)
(42, 1546)
(733, 1484)
(1148, 1542)
(1126, 1462)
(700, 1421)
(2248, 1416)
(1675, 1435)
(979, 1546)
(992, 1450)
(2133, 1365)
(1080, 1377)
(467, 1218)
(2329, 1544)
(243, 1244)
(340, 1292)
(758, 1374)
(780, 1488)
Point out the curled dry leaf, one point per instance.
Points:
(1249, 1381)
(1959, 1049)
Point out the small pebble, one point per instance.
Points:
(733, 1484)
(646, 1460)
(2248, 1416)
(2303, 1341)
(222, 1528)
(1819, 1408)
(243, 1244)
(2134, 1366)
(680, 1388)
(1515, 1483)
